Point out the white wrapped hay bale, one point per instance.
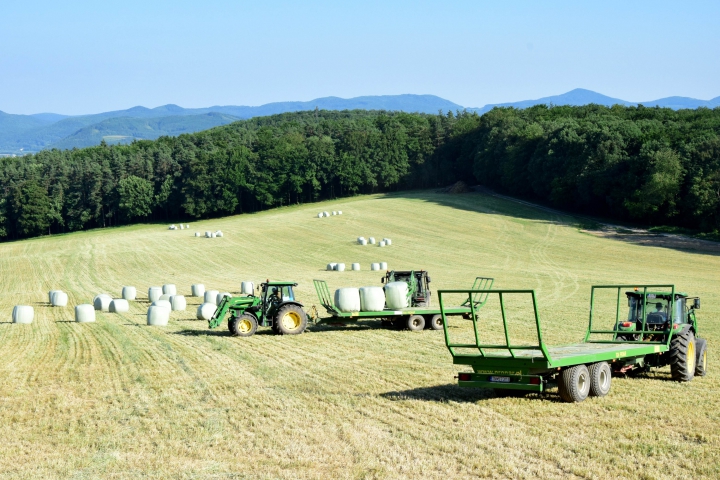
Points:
(371, 240)
(211, 296)
(102, 302)
(170, 289)
(219, 234)
(381, 244)
(387, 241)
(59, 299)
(165, 296)
(182, 226)
(320, 215)
(119, 305)
(154, 293)
(197, 234)
(339, 212)
(331, 266)
(23, 314)
(213, 235)
(396, 295)
(197, 290)
(374, 266)
(372, 299)
(326, 214)
(187, 225)
(178, 302)
(347, 299)
(208, 234)
(363, 242)
(129, 293)
(360, 240)
(383, 265)
(84, 313)
(247, 288)
(162, 304)
(356, 267)
(340, 267)
(172, 227)
(220, 296)
(50, 294)
(158, 316)
(206, 311)
(334, 212)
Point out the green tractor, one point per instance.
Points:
(276, 307)
(418, 285)
(660, 313)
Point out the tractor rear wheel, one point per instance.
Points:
(243, 325)
(682, 357)
(600, 378)
(290, 320)
(415, 323)
(435, 322)
(574, 384)
(701, 360)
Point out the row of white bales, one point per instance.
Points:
(163, 300)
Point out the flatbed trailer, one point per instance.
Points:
(583, 368)
(413, 318)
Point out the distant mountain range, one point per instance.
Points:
(30, 133)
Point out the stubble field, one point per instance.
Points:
(119, 399)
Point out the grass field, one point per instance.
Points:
(118, 399)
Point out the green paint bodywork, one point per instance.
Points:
(533, 367)
(263, 307)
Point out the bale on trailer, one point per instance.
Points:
(206, 311)
(154, 293)
(347, 299)
(102, 302)
(198, 290)
(129, 293)
(84, 313)
(178, 302)
(372, 299)
(23, 314)
(119, 305)
(396, 295)
(158, 316)
(59, 299)
(211, 296)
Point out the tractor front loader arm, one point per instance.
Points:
(220, 313)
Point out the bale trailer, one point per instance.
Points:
(640, 340)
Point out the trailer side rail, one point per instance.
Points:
(481, 284)
(326, 300)
(479, 346)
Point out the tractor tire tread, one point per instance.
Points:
(678, 357)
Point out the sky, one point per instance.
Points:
(77, 57)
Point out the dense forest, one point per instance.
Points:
(648, 165)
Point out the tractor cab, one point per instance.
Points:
(658, 311)
(418, 285)
(274, 295)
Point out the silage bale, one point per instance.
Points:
(198, 290)
(220, 296)
(206, 311)
(347, 299)
(129, 293)
(178, 302)
(162, 304)
(182, 227)
(356, 267)
(187, 225)
(320, 215)
(102, 302)
(396, 295)
(119, 305)
(339, 212)
(247, 288)
(158, 316)
(331, 266)
(211, 296)
(340, 267)
(154, 293)
(208, 234)
(59, 299)
(374, 266)
(50, 294)
(371, 240)
(197, 234)
(219, 234)
(170, 289)
(334, 212)
(360, 240)
(84, 313)
(383, 265)
(372, 299)
(172, 227)
(165, 296)
(326, 214)
(23, 314)
(387, 241)
(213, 234)
(381, 244)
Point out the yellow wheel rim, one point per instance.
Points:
(691, 357)
(704, 360)
(291, 321)
(244, 326)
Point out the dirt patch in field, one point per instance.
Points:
(650, 239)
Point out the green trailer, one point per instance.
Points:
(660, 329)
(413, 318)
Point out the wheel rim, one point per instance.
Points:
(691, 357)
(291, 320)
(416, 322)
(704, 360)
(244, 326)
(438, 322)
(582, 382)
(604, 379)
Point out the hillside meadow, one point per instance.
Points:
(118, 399)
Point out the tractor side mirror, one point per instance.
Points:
(428, 280)
(696, 304)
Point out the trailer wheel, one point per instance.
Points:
(574, 384)
(600, 378)
(243, 325)
(415, 323)
(435, 322)
(682, 357)
(290, 320)
(701, 360)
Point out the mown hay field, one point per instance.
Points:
(118, 399)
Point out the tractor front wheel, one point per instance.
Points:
(682, 357)
(701, 360)
(290, 320)
(435, 322)
(415, 323)
(600, 378)
(243, 325)
(574, 384)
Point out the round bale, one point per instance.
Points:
(129, 293)
(339, 212)
(162, 303)
(165, 296)
(178, 302)
(211, 296)
(374, 266)
(320, 215)
(197, 234)
(198, 290)
(371, 240)
(154, 293)
(119, 305)
(340, 267)
(356, 267)
(247, 288)
(206, 311)
(220, 296)
(23, 314)
(170, 289)
(102, 302)
(158, 316)
(50, 294)
(59, 299)
(219, 234)
(381, 244)
(331, 266)
(383, 265)
(84, 313)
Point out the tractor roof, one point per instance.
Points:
(657, 294)
(282, 283)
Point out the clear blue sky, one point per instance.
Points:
(78, 57)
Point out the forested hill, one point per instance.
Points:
(650, 165)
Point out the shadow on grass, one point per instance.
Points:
(453, 393)
(204, 333)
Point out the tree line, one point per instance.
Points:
(651, 165)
